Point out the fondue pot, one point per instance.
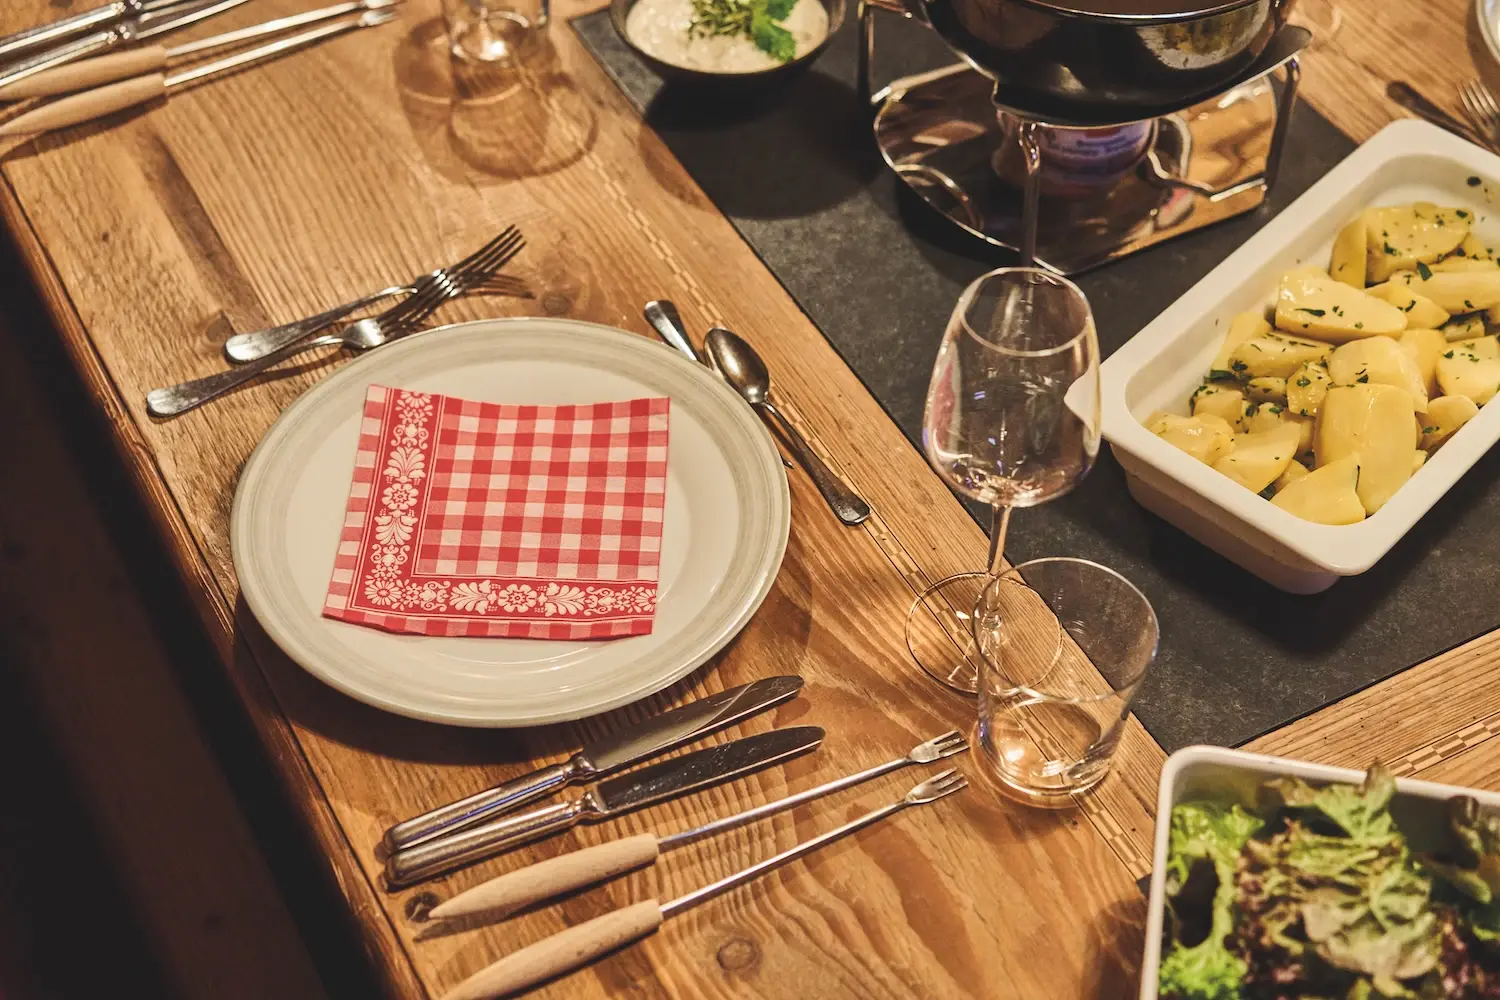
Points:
(1095, 61)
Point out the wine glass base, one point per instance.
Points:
(940, 633)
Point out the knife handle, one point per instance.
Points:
(563, 952)
(500, 897)
(55, 31)
(88, 73)
(437, 857)
(484, 806)
(87, 106)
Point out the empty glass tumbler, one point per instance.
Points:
(1064, 645)
(492, 31)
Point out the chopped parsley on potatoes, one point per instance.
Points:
(1327, 404)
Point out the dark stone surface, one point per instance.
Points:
(879, 272)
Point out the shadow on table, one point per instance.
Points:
(483, 124)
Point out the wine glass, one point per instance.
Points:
(1012, 420)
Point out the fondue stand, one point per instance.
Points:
(985, 166)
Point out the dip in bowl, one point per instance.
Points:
(727, 42)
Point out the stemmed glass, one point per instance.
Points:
(1012, 420)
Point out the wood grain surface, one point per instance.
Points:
(280, 191)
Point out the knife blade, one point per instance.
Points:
(627, 746)
(680, 776)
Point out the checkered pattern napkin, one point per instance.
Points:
(489, 519)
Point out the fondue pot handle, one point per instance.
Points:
(1281, 10)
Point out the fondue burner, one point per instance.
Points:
(1073, 196)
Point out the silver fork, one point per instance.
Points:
(1481, 107)
(256, 344)
(362, 335)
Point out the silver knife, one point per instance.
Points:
(679, 776)
(604, 756)
(129, 29)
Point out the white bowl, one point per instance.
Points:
(1159, 368)
(1232, 776)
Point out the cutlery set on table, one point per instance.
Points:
(487, 824)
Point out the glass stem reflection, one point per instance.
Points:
(999, 525)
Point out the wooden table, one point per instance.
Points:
(271, 194)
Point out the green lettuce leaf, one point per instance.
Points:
(1204, 840)
(1207, 971)
(1206, 830)
(1360, 811)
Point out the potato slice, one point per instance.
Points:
(1326, 495)
(1424, 347)
(1205, 437)
(1257, 459)
(1458, 263)
(1374, 421)
(1464, 327)
(1465, 373)
(1275, 355)
(1293, 472)
(1306, 387)
(1241, 328)
(1379, 360)
(1347, 265)
(1402, 236)
(1311, 304)
(1222, 401)
(1420, 310)
(1418, 459)
(1267, 389)
(1484, 347)
(1445, 415)
(1455, 291)
(1474, 248)
(1265, 417)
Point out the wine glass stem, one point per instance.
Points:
(999, 525)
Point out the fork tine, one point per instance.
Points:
(492, 262)
(504, 234)
(490, 251)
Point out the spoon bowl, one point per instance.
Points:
(741, 366)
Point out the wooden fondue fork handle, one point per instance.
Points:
(515, 890)
(122, 65)
(88, 105)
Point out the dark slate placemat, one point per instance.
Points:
(879, 272)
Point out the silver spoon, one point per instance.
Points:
(744, 370)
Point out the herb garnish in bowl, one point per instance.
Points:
(1317, 894)
(757, 20)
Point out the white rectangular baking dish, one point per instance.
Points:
(1231, 776)
(1159, 368)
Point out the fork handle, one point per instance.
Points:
(257, 344)
(175, 399)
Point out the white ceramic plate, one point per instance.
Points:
(726, 522)
(1488, 12)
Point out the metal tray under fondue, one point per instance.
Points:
(940, 133)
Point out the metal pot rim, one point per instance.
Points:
(1210, 8)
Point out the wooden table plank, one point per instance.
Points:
(246, 202)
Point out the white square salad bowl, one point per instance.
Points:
(1234, 776)
(1159, 368)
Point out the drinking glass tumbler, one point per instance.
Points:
(1064, 644)
(492, 31)
(1012, 420)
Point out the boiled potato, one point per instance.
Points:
(1293, 472)
(1326, 495)
(1445, 416)
(1205, 437)
(1464, 327)
(1484, 347)
(1420, 310)
(1347, 265)
(1378, 360)
(1257, 459)
(1402, 236)
(1241, 328)
(1455, 291)
(1474, 248)
(1265, 417)
(1312, 304)
(1274, 355)
(1418, 459)
(1424, 347)
(1373, 421)
(1223, 402)
(1457, 263)
(1267, 389)
(1306, 387)
(1465, 373)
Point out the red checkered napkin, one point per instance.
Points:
(489, 519)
